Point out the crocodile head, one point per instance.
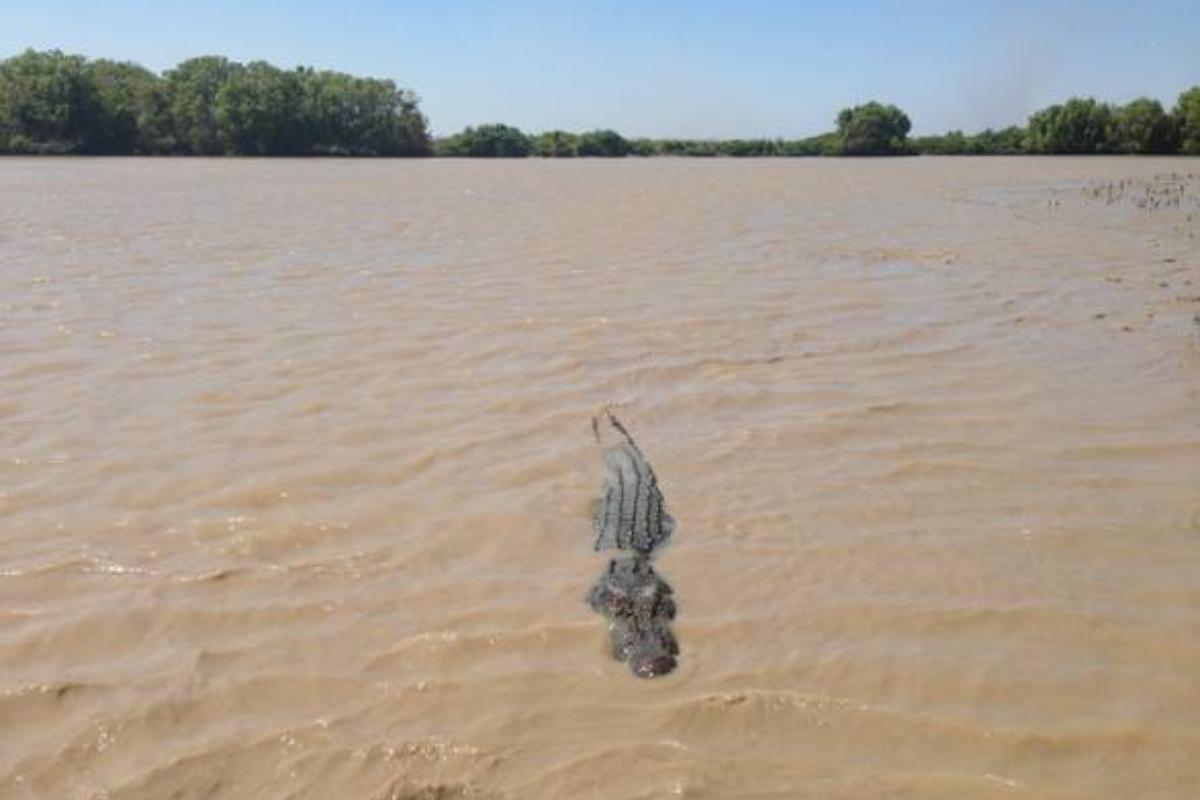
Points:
(639, 608)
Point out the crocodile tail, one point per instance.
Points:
(631, 514)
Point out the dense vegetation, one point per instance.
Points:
(506, 141)
(1084, 126)
(1078, 126)
(51, 102)
(56, 103)
(487, 141)
(1187, 118)
(872, 130)
(1005, 142)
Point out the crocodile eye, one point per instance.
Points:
(666, 606)
(621, 604)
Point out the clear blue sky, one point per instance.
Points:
(670, 68)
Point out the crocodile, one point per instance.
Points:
(631, 517)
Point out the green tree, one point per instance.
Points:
(156, 128)
(1187, 121)
(329, 111)
(826, 144)
(385, 120)
(988, 142)
(1080, 126)
(125, 93)
(670, 147)
(487, 141)
(51, 102)
(339, 114)
(258, 111)
(642, 147)
(872, 129)
(1142, 126)
(747, 148)
(702, 148)
(953, 143)
(192, 89)
(47, 103)
(1007, 141)
(603, 143)
(556, 144)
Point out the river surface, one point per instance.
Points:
(296, 463)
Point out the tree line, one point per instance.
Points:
(51, 102)
(1078, 126)
(504, 141)
(1085, 126)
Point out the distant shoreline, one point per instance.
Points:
(52, 103)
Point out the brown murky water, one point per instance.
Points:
(295, 469)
